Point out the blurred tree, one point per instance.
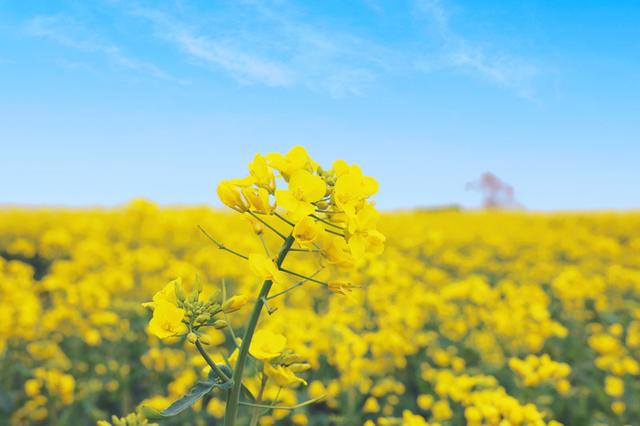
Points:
(497, 193)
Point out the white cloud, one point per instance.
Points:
(280, 51)
(66, 31)
(456, 51)
(280, 44)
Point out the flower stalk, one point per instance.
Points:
(233, 400)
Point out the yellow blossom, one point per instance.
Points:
(230, 195)
(307, 230)
(234, 303)
(258, 199)
(167, 320)
(168, 294)
(371, 405)
(266, 345)
(304, 189)
(282, 375)
(294, 160)
(262, 174)
(265, 268)
(614, 386)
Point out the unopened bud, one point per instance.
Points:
(258, 228)
(291, 358)
(191, 337)
(205, 339)
(214, 309)
(299, 367)
(215, 296)
(180, 294)
(234, 303)
(220, 324)
(198, 284)
(150, 413)
(322, 205)
(202, 318)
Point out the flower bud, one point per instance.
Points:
(214, 308)
(231, 197)
(191, 337)
(220, 324)
(205, 339)
(234, 303)
(202, 318)
(215, 296)
(150, 413)
(180, 294)
(291, 358)
(258, 228)
(299, 367)
(322, 205)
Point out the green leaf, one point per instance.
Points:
(199, 390)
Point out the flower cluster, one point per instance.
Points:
(328, 209)
(133, 419)
(175, 313)
(535, 370)
(280, 364)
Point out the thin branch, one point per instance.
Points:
(296, 285)
(334, 232)
(328, 211)
(282, 407)
(220, 245)
(327, 222)
(264, 244)
(304, 277)
(265, 223)
(223, 377)
(284, 219)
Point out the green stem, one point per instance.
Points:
(231, 411)
(223, 377)
(256, 413)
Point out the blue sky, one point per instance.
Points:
(108, 100)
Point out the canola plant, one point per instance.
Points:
(303, 305)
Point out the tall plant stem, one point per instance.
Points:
(231, 411)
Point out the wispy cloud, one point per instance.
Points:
(281, 50)
(278, 43)
(66, 31)
(457, 51)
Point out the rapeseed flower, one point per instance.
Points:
(267, 345)
(167, 320)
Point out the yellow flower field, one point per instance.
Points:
(466, 318)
